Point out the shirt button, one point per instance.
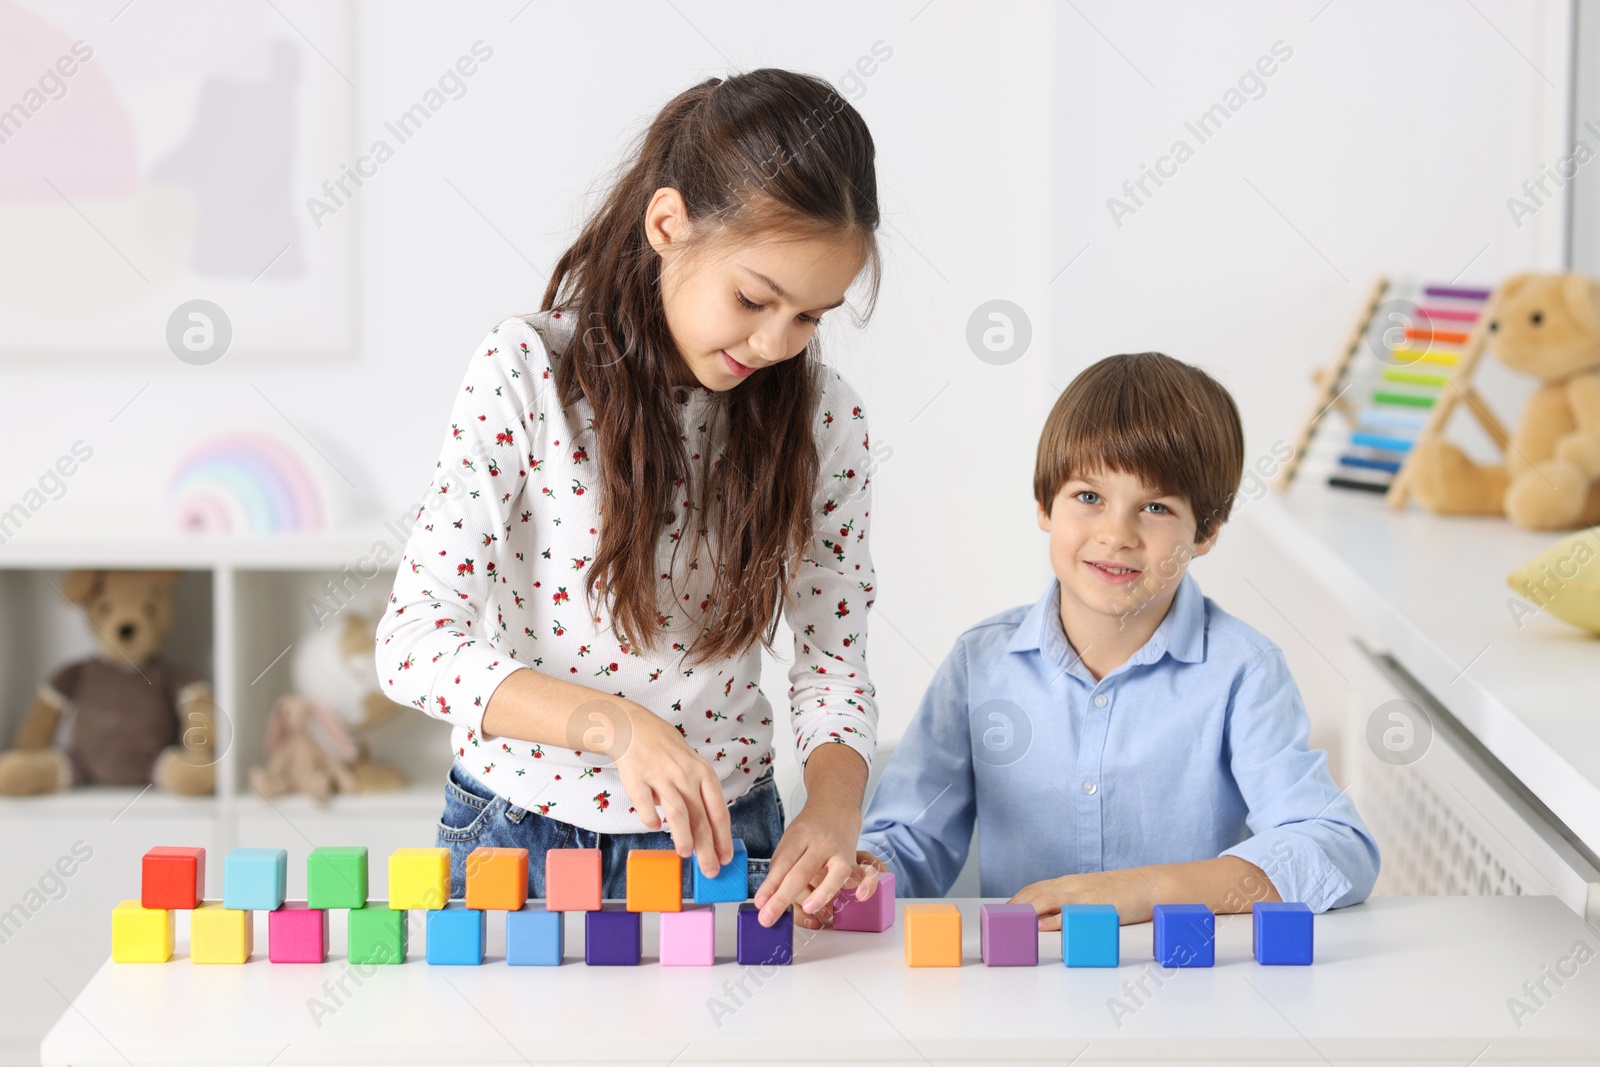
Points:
(1089, 786)
(1100, 700)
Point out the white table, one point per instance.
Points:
(1397, 979)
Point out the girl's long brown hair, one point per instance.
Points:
(766, 152)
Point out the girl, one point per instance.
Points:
(637, 479)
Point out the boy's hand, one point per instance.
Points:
(1130, 891)
(862, 883)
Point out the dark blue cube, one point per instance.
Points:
(1280, 932)
(759, 944)
(612, 936)
(1185, 935)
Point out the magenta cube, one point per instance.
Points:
(873, 915)
(689, 937)
(297, 933)
(1010, 935)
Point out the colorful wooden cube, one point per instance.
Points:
(336, 877)
(455, 935)
(419, 879)
(1185, 935)
(255, 879)
(1009, 935)
(297, 933)
(535, 936)
(689, 937)
(757, 944)
(1091, 935)
(377, 934)
(655, 880)
(140, 934)
(572, 879)
(933, 935)
(219, 934)
(732, 883)
(173, 878)
(1280, 932)
(873, 915)
(497, 879)
(613, 936)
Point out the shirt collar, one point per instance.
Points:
(1182, 634)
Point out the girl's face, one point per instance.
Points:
(736, 308)
(1120, 547)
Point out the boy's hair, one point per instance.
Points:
(769, 153)
(1171, 425)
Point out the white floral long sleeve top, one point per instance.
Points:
(492, 581)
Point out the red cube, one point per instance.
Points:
(173, 878)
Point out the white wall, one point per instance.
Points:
(1388, 141)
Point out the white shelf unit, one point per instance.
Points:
(242, 603)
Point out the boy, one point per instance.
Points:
(1123, 740)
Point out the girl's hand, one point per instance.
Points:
(1131, 891)
(862, 883)
(658, 767)
(814, 860)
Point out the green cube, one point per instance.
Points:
(377, 935)
(337, 878)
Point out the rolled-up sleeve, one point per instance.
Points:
(920, 818)
(830, 694)
(1306, 835)
(433, 649)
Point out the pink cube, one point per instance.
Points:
(873, 915)
(297, 933)
(689, 937)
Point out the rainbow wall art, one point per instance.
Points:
(245, 482)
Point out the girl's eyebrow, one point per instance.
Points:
(778, 289)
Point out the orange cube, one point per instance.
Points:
(497, 879)
(933, 935)
(655, 880)
(572, 879)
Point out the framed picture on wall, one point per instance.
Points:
(163, 181)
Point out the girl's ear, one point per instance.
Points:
(666, 220)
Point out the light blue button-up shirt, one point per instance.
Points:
(1196, 747)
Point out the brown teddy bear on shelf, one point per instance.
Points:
(1548, 326)
(134, 718)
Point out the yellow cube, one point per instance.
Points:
(220, 935)
(655, 880)
(140, 934)
(933, 935)
(419, 879)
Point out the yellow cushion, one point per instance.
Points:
(1564, 580)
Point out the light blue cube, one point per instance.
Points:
(1185, 935)
(455, 935)
(1090, 935)
(254, 879)
(732, 883)
(535, 937)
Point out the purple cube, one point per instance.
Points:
(873, 915)
(759, 944)
(1010, 935)
(612, 936)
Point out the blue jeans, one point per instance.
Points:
(474, 817)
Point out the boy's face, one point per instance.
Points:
(1119, 547)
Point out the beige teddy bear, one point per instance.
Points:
(134, 717)
(1547, 326)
